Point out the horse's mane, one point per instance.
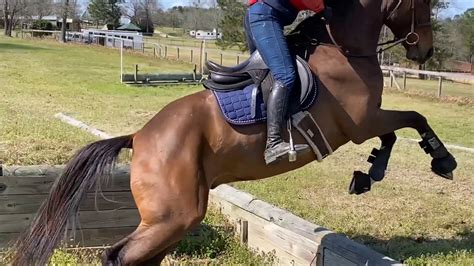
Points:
(340, 8)
(313, 27)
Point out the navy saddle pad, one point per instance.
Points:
(246, 106)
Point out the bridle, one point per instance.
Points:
(392, 43)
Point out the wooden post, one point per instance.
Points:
(154, 52)
(404, 80)
(440, 86)
(121, 61)
(136, 73)
(177, 50)
(243, 231)
(238, 59)
(166, 52)
(201, 57)
(159, 50)
(192, 55)
(221, 58)
(391, 78)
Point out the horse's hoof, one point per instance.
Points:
(449, 175)
(444, 167)
(377, 173)
(360, 183)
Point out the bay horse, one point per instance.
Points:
(188, 148)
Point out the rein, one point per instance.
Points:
(411, 35)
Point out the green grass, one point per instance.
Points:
(412, 215)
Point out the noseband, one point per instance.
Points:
(412, 38)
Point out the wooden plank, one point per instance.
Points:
(104, 237)
(307, 238)
(15, 223)
(27, 204)
(28, 185)
(48, 170)
(84, 237)
(263, 236)
(160, 77)
(74, 122)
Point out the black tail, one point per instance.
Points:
(60, 209)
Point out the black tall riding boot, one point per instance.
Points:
(276, 148)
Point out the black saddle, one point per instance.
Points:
(255, 71)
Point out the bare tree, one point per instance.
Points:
(11, 10)
(64, 20)
(141, 13)
(5, 17)
(39, 8)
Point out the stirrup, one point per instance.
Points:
(273, 158)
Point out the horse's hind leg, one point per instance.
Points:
(387, 121)
(171, 198)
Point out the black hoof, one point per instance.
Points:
(444, 167)
(360, 183)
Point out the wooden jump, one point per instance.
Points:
(261, 226)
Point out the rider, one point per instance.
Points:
(264, 24)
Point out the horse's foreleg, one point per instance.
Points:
(362, 182)
(387, 121)
(379, 158)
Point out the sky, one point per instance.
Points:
(456, 6)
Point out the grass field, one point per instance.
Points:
(412, 215)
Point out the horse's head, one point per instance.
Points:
(410, 20)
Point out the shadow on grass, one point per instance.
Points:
(5, 47)
(402, 248)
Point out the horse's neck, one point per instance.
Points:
(357, 29)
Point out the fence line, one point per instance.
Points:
(459, 77)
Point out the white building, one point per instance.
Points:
(112, 38)
(206, 35)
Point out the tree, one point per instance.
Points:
(40, 8)
(11, 10)
(64, 20)
(442, 42)
(141, 13)
(467, 30)
(105, 12)
(231, 24)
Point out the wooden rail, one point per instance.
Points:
(260, 225)
(22, 189)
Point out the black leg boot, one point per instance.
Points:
(276, 148)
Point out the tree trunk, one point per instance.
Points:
(5, 15)
(64, 23)
(11, 24)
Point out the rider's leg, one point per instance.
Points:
(248, 35)
(266, 26)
